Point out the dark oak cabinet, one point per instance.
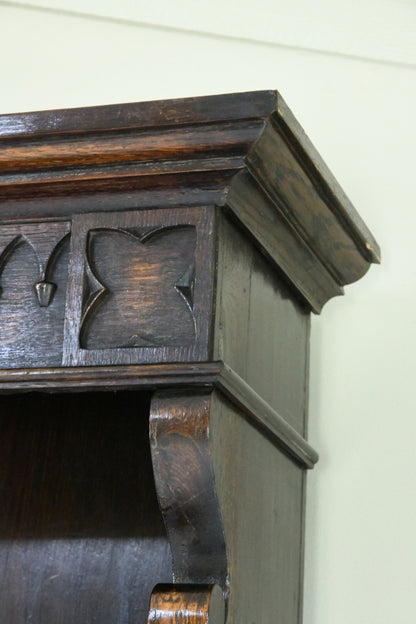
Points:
(158, 266)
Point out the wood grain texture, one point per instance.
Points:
(140, 290)
(32, 256)
(176, 112)
(203, 232)
(292, 190)
(187, 604)
(182, 465)
(295, 260)
(265, 418)
(304, 152)
(81, 535)
(128, 277)
(258, 320)
(85, 378)
(287, 198)
(199, 376)
(219, 477)
(132, 147)
(261, 498)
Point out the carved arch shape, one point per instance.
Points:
(46, 246)
(9, 247)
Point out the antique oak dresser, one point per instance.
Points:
(159, 263)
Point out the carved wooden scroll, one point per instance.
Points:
(231, 497)
(184, 476)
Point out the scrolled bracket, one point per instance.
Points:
(184, 477)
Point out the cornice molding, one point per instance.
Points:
(246, 151)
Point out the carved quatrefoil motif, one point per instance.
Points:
(138, 288)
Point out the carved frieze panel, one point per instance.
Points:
(140, 287)
(127, 271)
(33, 277)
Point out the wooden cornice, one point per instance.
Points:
(245, 152)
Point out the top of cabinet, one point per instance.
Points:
(244, 152)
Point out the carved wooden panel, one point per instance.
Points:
(127, 271)
(140, 287)
(33, 276)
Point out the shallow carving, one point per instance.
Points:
(138, 288)
(33, 273)
(46, 245)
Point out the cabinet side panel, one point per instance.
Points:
(260, 491)
(261, 330)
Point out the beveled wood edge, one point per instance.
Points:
(263, 415)
(186, 604)
(85, 378)
(154, 376)
(128, 147)
(139, 115)
(290, 254)
(286, 123)
(144, 144)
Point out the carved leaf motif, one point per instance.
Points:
(146, 299)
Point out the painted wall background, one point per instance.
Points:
(347, 70)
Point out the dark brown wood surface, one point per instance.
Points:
(232, 503)
(159, 153)
(32, 257)
(187, 604)
(228, 109)
(323, 179)
(85, 378)
(140, 287)
(182, 465)
(161, 260)
(176, 112)
(189, 377)
(81, 535)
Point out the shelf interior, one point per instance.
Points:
(81, 535)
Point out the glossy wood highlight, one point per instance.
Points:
(187, 604)
(182, 465)
(200, 143)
